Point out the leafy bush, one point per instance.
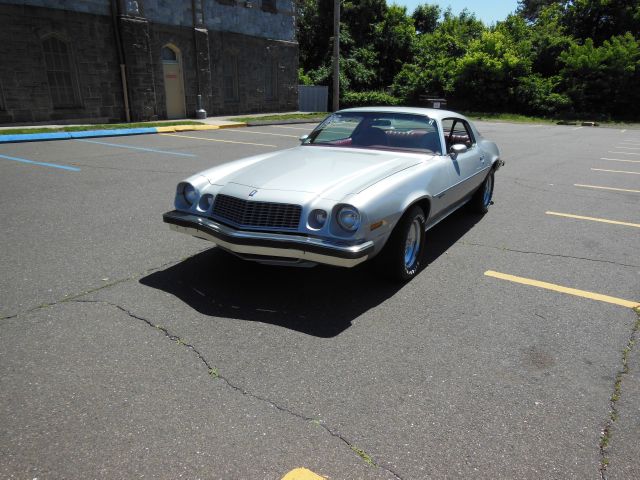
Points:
(603, 79)
(365, 99)
(537, 95)
(303, 78)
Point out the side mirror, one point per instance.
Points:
(303, 138)
(457, 149)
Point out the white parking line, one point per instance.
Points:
(614, 171)
(620, 160)
(624, 153)
(630, 148)
(577, 128)
(606, 188)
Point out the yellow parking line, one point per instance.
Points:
(296, 128)
(217, 140)
(614, 171)
(558, 288)
(302, 474)
(620, 160)
(594, 219)
(606, 188)
(244, 130)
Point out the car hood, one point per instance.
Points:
(322, 171)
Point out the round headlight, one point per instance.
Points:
(189, 193)
(205, 202)
(349, 218)
(317, 218)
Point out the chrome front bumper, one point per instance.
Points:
(264, 244)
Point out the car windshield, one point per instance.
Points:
(378, 130)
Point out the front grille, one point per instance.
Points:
(249, 214)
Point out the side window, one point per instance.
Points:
(457, 131)
(230, 79)
(60, 73)
(271, 80)
(269, 6)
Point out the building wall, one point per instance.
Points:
(237, 16)
(97, 7)
(23, 76)
(256, 43)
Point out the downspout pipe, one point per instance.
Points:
(123, 70)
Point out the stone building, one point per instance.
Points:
(109, 60)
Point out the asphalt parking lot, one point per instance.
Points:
(129, 351)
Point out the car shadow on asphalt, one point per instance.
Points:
(320, 301)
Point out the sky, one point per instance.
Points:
(488, 12)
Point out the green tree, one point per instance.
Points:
(314, 31)
(361, 16)
(549, 38)
(425, 18)
(604, 79)
(530, 9)
(487, 75)
(602, 19)
(394, 41)
(433, 69)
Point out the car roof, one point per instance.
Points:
(434, 113)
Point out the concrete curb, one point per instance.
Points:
(39, 137)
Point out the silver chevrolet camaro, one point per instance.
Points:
(366, 182)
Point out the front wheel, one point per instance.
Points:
(482, 198)
(403, 254)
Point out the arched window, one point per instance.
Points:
(60, 73)
(169, 55)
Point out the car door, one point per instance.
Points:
(464, 168)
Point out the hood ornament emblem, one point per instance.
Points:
(253, 192)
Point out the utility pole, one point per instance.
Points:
(336, 55)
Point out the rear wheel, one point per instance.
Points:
(482, 198)
(403, 255)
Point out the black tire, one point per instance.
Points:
(482, 198)
(396, 261)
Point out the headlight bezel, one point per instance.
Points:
(205, 202)
(188, 193)
(315, 220)
(353, 213)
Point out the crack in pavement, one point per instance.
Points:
(72, 297)
(513, 250)
(215, 374)
(606, 433)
